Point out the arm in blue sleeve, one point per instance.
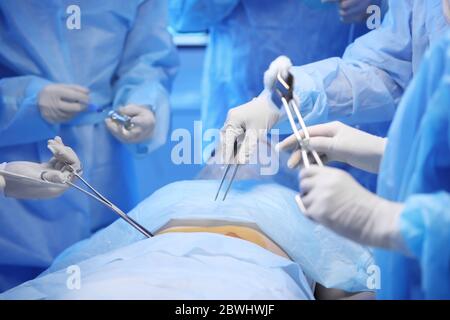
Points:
(425, 227)
(367, 83)
(198, 15)
(147, 68)
(20, 119)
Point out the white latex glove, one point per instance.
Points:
(281, 65)
(246, 124)
(51, 171)
(252, 120)
(144, 123)
(353, 10)
(61, 102)
(334, 199)
(335, 141)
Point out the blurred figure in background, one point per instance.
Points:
(60, 65)
(246, 36)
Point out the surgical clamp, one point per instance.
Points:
(103, 200)
(284, 89)
(233, 175)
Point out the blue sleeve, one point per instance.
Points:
(425, 227)
(147, 68)
(20, 119)
(366, 84)
(198, 15)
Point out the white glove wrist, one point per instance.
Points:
(271, 107)
(386, 228)
(333, 198)
(364, 151)
(375, 220)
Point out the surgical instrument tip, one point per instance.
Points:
(225, 175)
(231, 181)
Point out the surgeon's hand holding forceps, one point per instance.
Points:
(284, 89)
(100, 198)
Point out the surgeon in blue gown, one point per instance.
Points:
(409, 217)
(60, 64)
(364, 87)
(245, 36)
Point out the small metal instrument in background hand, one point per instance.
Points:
(233, 175)
(103, 200)
(284, 89)
(121, 119)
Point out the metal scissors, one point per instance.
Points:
(284, 89)
(103, 200)
(233, 175)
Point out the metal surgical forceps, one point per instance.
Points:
(233, 175)
(284, 89)
(100, 198)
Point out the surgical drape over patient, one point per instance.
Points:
(324, 257)
(175, 266)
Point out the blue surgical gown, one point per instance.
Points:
(123, 54)
(247, 35)
(364, 87)
(175, 266)
(416, 170)
(367, 83)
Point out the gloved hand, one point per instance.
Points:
(253, 119)
(61, 102)
(52, 171)
(247, 123)
(62, 156)
(144, 123)
(335, 141)
(334, 199)
(353, 10)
